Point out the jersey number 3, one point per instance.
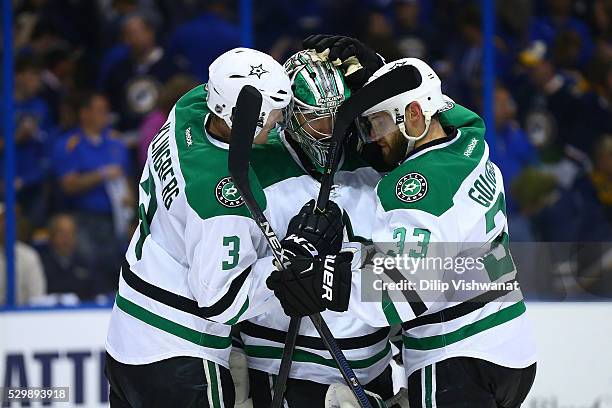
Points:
(233, 244)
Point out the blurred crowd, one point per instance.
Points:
(95, 80)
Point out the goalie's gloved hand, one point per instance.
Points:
(311, 285)
(324, 230)
(357, 60)
(295, 246)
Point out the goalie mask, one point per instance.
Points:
(318, 91)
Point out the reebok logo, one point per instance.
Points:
(188, 138)
(470, 148)
(328, 277)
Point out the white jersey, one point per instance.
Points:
(197, 263)
(367, 349)
(447, 198)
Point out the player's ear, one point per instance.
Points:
(413, 112)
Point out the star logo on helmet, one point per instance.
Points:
(398, 64)
(257, 70)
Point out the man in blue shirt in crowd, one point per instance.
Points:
(199, 41)
(85, 163)
(32, 122)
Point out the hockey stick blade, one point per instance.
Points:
(393, 83)
(246, 114)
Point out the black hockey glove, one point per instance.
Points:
(357, 60)
(324, 230)
(310, 286)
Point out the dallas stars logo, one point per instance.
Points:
(227, 193)
(257, 70)
(412, 187)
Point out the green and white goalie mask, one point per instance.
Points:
(318, 90)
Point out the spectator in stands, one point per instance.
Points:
(378, 34)
(413, 39)
(547, 100)
(596, 105)
(58, 77)
(67, 271)
(32, 121)
(561, 214)
(170, 93)
(199, 41)
(559, 18)
(134, 82)
(30, 279)
(512, 152)
(601, 15)
(602, 173)
(88, 164)
(464, 52)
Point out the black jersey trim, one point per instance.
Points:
(459, 310)
(412, 297)
(279, 336)
(180, 302)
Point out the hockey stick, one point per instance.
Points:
(246, 115)
(387, 86)
(397, 81)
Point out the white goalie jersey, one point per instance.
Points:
(367, 348)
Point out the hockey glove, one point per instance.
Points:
(357, 60)
(295, 246)
(324, 230)
(310, 286)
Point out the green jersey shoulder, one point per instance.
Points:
(209, 188)
(272, 161)
(429, 179)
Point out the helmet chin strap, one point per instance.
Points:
(411, 139)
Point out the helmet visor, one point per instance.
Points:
(378, 125)
(274, 120)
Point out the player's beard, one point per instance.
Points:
(393, 148)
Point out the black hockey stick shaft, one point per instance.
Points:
(397, 81)
(286, 362)
(244, 124)
(246, 115)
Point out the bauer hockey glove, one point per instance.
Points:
(324, 230)
(310, 286)
(358, 61)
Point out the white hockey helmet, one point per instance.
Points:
(388, 115)
(244, 66)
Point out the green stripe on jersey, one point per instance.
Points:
(214, 384)
(304, 356)
(444, 168)
(176, 329)
(389, 309)
(428, 386)
(493, 320)
(243, 309)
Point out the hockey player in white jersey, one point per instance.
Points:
(196, 264)
(288, 169)
(443, 196)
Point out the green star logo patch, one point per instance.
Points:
(227, 194)
(411, 187)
